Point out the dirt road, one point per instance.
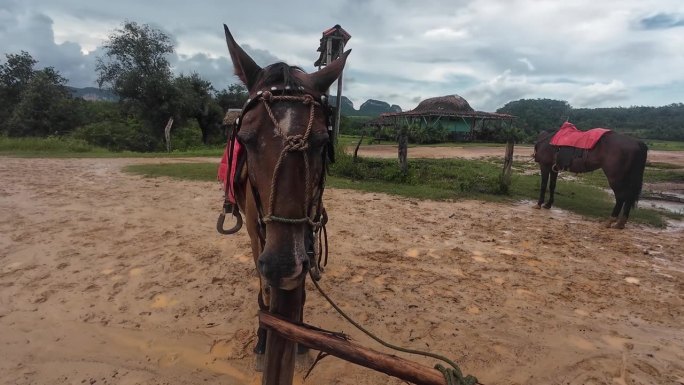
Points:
(109, 278)
(521, 152)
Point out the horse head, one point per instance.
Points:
(284, 130)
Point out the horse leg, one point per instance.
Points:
(619, 202)
(552, 189)
(302, 349)
(264, 299)
(629, 202)
(545, 170)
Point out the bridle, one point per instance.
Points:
(315, 219)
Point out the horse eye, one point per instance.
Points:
(319, 140)
(247, 137)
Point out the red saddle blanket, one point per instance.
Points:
(570, 136)
(223, 170)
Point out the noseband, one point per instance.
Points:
(293, 143)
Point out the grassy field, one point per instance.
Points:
(447, 179)
(427, 178)
(64, 147)
(664, 145)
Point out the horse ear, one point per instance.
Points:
(323, 78)
(245, 67)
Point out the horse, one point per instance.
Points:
(621, 157)
(283, 131)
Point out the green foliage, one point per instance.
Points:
(46, 146)
(136, 67)
(45, 107)
(194, 99)
(456, 175)
(233, 97)
(534, 116)
(118, 135)
(34, 102)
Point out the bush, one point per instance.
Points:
(118, 136)
(50, 144)
(186, 137)
(460, 176)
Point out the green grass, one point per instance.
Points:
(443, 180)
(189, 171)
(65, 147)
(664, 145)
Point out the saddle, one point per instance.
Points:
(568, 135)
(571, 144)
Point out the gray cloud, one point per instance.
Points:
(587, 52)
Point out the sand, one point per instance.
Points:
(110, 278)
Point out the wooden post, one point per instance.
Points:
(507, 165)
(280, 352)
(356, 150)
(338, 102)
(392, 365)
(402, 138)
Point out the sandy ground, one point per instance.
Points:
(109, 278)
(520, 152)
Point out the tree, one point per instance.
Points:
(137, 69)
(234, 97)
(14, 76)
(195, 101)
(45, 107)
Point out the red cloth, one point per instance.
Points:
(569, 135)
(223, 169)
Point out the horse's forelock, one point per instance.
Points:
(281, 75)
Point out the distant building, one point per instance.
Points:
(450, 112)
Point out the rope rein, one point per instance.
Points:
(452, 375)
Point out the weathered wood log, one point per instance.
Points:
(507, 165)
(385, 363)
(280, 351)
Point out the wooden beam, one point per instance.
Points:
(385, 363)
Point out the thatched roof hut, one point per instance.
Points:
(451, 111)
(449, 103)
(231, 116)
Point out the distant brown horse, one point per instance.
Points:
(621, 158)
(283, 130)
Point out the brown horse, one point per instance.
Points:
(621, 158)
(283, 130)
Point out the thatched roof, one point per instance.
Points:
(452, 106)
(231, 116)
(441, 104)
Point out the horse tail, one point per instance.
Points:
(636, 172)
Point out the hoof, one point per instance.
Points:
(621, 223)
(547, 206)
(538, 207)
(259, 350)
(260, 363)
(610, 222)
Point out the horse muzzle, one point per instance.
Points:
(282, 272)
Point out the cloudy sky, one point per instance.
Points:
(588, 52)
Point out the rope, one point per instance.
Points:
(452, 375)
(293, 143)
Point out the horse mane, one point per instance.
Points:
(280, 74)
